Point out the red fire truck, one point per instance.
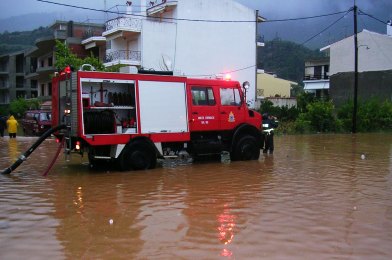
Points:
(134, 119)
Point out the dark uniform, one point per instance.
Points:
(269, 125)
(2, 126)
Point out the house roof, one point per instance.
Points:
(363, 31)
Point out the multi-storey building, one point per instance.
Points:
(42, 56)
(196, 38)
(12, 82)
(27, 74)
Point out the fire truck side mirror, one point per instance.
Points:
(246, 85)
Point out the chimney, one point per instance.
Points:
(389, 28)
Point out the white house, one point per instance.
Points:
(195, 38)
(336, 73)
(374, 53)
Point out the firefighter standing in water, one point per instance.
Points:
(2, 125)
(269, 124)
(12, 126)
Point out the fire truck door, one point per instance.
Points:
(204, 112)
(232, 111)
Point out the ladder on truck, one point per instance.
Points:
(70, 112)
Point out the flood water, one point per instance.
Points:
(317, 197)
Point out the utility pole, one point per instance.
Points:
(354, 127)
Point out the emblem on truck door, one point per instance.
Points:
(231, 117)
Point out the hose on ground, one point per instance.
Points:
(26, 154)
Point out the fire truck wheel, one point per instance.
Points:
(246, 149)
(138, 156)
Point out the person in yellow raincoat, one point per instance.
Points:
(12, 126)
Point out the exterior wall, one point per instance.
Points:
(270, 86)
(375, 84)
(204, 48)
(158, 43)
(374, 53)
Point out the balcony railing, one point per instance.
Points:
(131, 24)
(315, 77)
(156, 6)
(123, 55)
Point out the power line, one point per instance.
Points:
(303, 18)
(326, 28)
(191, 20)
(371, 16)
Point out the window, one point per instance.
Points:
(203, 96)
(50, 89)
(50, 61)
(230, 97)
(108, 45)
(20, 94)
(34, 84)
(42, 89)
(45, 116)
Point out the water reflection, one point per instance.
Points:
(315, 198)
(13, 152)
(226, 224)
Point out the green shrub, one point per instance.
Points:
(19, 106)
(284, 113)
(302, 125)
(372, 115)
(319, 117)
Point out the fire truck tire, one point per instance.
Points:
(139, 156)
(246, 149)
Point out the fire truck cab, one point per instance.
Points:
(134, 119)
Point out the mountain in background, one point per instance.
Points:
(32, 21)
(17, 41)
(285, 59)
(26, 22)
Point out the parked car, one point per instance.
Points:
(36, 122)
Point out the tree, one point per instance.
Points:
(64, 58)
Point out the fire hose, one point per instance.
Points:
(26, 154)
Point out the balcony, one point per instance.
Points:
(316, 77)
(159, 6)
(94, 41)
(316, 82)
(122, 27)
(123, 57)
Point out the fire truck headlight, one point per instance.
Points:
(67, 111)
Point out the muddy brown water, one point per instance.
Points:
(317, 197)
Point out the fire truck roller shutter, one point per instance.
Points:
(99, 122)
(139, 154)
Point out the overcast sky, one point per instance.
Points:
(270, 9)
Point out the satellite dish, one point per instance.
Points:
(167, 62)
